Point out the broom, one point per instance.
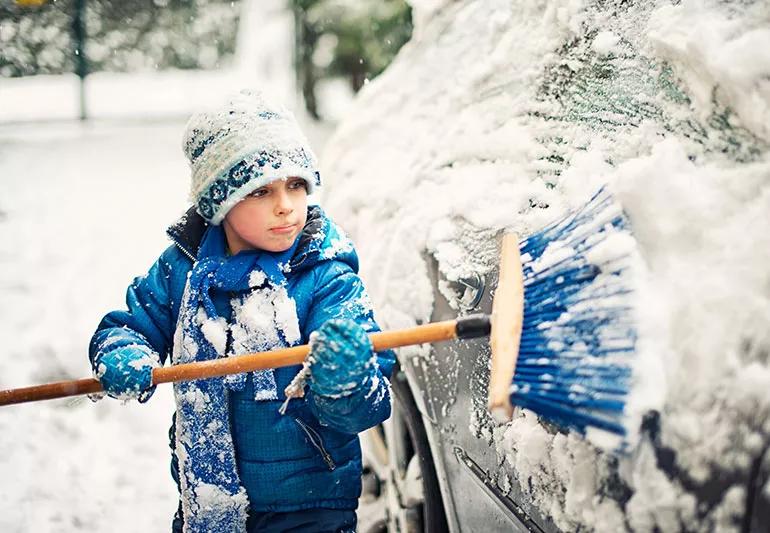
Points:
(561, 329)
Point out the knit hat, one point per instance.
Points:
(240, 147)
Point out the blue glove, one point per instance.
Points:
(126, 373)
(341, 358)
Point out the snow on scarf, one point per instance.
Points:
(263, 318)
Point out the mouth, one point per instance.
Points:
(288, 228)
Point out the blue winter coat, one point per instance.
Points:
(310, 457)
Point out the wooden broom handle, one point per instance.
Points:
(427, 333)
(507, 319)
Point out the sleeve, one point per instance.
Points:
(147, 319)
(341, 294)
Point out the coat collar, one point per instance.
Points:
(187, 234)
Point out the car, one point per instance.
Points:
(503, 116)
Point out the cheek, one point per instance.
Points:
(247, 218)
(300, 207)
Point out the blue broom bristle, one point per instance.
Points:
(579, 335)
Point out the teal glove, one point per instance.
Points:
(341, 358)
(126, 373)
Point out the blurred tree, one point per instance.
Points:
(123, 35)
(355, 39)
(35, 39)
(306, 40)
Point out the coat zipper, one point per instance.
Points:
(184, 250)
(315, 439)
(298, 263)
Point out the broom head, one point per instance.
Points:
(578, 334)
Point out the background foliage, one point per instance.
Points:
(352, 39)
(123, 35)
(355, 39)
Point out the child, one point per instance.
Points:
(253, 268)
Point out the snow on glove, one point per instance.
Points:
(341, 358)
(126, 373)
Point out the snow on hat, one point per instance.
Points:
(240, 147)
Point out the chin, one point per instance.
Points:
(278, 249)
(278, 245)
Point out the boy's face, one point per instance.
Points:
(270, 218)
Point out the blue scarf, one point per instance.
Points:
(213, 498)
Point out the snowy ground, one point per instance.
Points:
(83, 211)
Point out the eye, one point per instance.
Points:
(297, 183)
(258, 193)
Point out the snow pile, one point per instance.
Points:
(605, 43)
(722, 52)
(505, 114)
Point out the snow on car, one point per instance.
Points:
(503, 115)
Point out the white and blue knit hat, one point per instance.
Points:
(241, 146)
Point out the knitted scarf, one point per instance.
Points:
(263, 317)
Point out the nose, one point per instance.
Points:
(283, 205)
